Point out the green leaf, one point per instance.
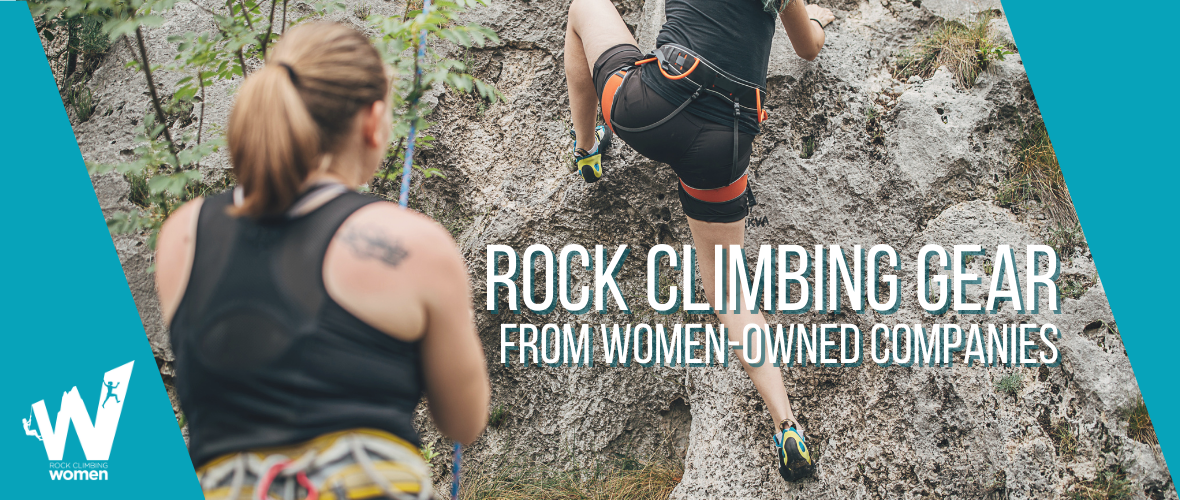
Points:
(173, 184)
(458, 36)
(116, 28)
(129, 222)
(431, 172)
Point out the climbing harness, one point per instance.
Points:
(404, 199)
(794, 458)
(679, 63)
(354, 464)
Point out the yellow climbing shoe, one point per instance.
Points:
(794, 458)
(589, 163)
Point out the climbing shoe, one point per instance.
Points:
(793, 457)
(589, 163)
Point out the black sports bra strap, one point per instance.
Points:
(327, 219)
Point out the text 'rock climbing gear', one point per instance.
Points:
(679, 63)
(347, 465)
(589, 163)
(792, 455)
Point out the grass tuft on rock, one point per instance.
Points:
(1065, 238)
(1010, 384)
(498, 417)
(82, 101)
(1036, 176)
(1074, 285)
(625, 480)
(965, 49)
(1067, 441)
(1109, 485)
(1139, 426)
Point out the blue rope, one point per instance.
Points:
(404, 199)
(455, 471)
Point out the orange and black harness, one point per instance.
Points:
(679, 63)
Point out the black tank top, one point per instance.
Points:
(264, 357)
(734, 35)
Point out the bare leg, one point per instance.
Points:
(594, 26)
(767, 378)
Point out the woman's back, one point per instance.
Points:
(264, 355)
(307, 318)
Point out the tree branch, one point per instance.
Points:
(201, 120)
(241, 59)
(270, 24)
(147, 71)
(246, 14)
(72, 60)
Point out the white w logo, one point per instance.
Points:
(96, 438)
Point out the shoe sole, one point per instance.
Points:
(587, 173)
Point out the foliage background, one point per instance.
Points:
(164, 168)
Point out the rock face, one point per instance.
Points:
(850, 156)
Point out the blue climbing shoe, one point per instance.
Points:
(589, 163)
(794, 458)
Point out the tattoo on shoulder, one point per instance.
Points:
(372, 243)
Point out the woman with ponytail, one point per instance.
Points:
(307, 319)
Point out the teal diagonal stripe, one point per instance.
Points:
(68, 316)
(1104, 76)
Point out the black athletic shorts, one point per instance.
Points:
(700, 151)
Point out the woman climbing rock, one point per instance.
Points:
(307, 319)
(694, 104)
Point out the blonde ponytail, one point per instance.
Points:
(296, 110)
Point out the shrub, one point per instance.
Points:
(83, 46)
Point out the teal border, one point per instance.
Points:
(1105, 79)
(67, 312)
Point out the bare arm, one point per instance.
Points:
(175, 246)
(456, 371)
(807, 37)
(402, 273)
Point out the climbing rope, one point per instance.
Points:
(405, 194)
(404, 199)
(455, 471)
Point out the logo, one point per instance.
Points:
(96, 436)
